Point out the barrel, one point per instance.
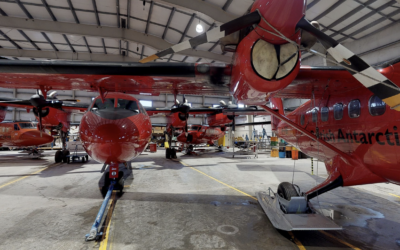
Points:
(153, 147)
(295, 153)
(274, 141)
(282, 154)
(274, 152)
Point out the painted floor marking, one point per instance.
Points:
(296, 241)
(394, 195)
(26, 176)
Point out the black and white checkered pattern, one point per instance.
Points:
(362, 71)
(212, 35)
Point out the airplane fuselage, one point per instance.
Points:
(115, 131)
(22, 134)
(358, 125)
(198, 134)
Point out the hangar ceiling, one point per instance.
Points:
(127, 30)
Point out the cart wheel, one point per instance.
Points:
(58, 156)
(68, 160)
(65, 153)
(87, 158)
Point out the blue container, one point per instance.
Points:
(282, 155)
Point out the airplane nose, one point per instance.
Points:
(112, 141)
(33, 138)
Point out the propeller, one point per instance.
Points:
(369, 77)
(212, 35)
(183, 109)
(41, 105)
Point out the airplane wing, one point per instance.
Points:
(324, 81)
(132, 78)
(26, 104)
(193, 111)
(245, 111)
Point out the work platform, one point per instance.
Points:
(204, 202)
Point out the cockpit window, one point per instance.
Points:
(129, 105)
(108, 104)
(16, 127)
(26, 125)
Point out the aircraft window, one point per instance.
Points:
(26, 125)
(302, 120)
(376, 106)
(354, 109)
(108, 104)
(338, 111)
(16, 127)
(324, 114)
(314, 115)
(128, 104)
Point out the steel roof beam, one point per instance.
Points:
(149, 17)
(118, 15)
(168, 22)
(10, 40)
(187, 28)
(309, 6)
(206, 8)
(69, 44)
(359, 20)
(71, 7)
(82, 56)
(104, 32)
(96, 12)
(49, 10)
(104, 46)
(49, 41)
(227, 4)
(128, 20)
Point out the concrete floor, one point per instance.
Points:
(197, 202)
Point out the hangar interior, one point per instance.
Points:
(204, 201)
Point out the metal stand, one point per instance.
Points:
(94, 233)
(247, 148)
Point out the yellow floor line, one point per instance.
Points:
(26, 176)
(341, 241)
(219, 181)
(296, 241)
(394, 195)
(104, 242)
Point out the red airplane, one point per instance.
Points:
(266, 65)
(22, 135)
(52, 114)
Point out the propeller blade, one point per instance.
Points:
(362, 71)
(212, 35)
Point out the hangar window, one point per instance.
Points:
(108, 104)
(302, 120)
(354, 109)
(129, 105)
(324, 114)
(146, 103)
(376, 106)
(16, 127)
(338, 111)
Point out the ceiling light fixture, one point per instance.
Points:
(199, 27)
